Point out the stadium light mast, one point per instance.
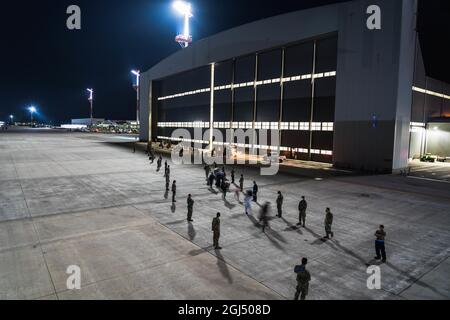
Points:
(11, 117)
(32, 110)
(185, 9)
(137, 73)
(91, 99)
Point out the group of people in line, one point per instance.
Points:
(221, 182)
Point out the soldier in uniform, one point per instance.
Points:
(302, 212)
(255, 191)
(167, 183)
(165, 168)
(174, 190)
(328, 223)
(168, 171)
(216, 231)
(151, 156)
(190, 207)
(158, 163)
(380, 249)
(224, 188)
(280, 199)
(211, 180)
(263, 218)
(303, 278)
(207, 170)
(241, 183)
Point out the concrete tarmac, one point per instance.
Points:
(87, 200)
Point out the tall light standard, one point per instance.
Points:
(91, 99)
(185, 9)
(32, 110)
(11, 117)
(137, 73)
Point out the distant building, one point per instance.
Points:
(87, 121)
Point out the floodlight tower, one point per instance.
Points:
(137, 73)
(91, 99)
(185, 9)
(32, 110)
(11, 117)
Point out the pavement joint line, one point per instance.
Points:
(134, 272)
(390, 188)
(423, 275)
(61, 213)
(37, 235)
(223, 260)
(428, 179)
(81, 235)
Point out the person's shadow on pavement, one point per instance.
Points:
(191, 231)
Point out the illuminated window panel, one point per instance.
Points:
(284, 126)
(315, 151)
(316, 126)
(304, 126)
(274, 125)
(249, 125)
(293, 125)
(326, 152)
(327, 126)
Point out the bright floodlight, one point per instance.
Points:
(11, 116)
(91, 93)
(183, 8)
(137, 73)
(32, 109)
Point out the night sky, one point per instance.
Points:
(45, 64)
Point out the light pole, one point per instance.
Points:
(185, 9)
(11, 117)
(32, 110)
(137, 73)
(91, 99)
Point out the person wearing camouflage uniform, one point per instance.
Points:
(328, 223)
(216, 231)
(302, 212)
(280, 204)
(303, 278)
(190, 207)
